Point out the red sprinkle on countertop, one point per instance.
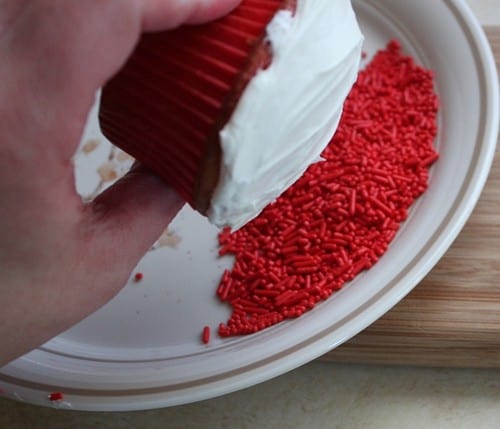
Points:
(138, 277)
(340, 217)
(56, 396)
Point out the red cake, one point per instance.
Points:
(170, 103)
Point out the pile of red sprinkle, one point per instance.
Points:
(340, 217)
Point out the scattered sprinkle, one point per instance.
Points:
(205, 336)
(122, 156)
(56, 396)
(138, 277)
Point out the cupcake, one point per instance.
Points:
(231, 113)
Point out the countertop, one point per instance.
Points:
(317, 395)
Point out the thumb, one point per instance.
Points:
(130, 216)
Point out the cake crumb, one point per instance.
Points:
(122, 156)
(341, 216)
(90, 145)
(107, 172)
(169, 238)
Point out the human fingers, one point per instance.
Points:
(162, 15)
(130, 216)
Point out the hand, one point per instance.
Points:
(60, 259)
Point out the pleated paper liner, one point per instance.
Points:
(179, 88)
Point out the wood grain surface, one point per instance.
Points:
(452, 318)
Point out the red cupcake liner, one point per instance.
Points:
(179, 88)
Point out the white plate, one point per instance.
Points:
(143, 349)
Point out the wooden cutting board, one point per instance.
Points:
(452, 318)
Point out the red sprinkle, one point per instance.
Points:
(56, 396)
(341, 216)
(205, 336)
(138, 277)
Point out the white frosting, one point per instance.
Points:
(288, 112)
